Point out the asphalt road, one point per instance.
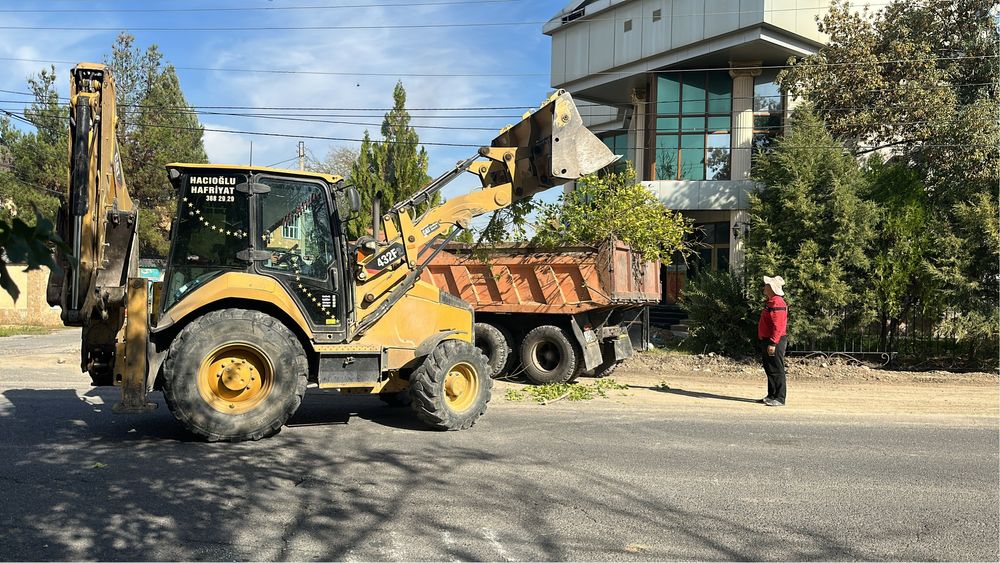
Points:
(351, 479)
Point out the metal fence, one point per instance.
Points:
(916, 342)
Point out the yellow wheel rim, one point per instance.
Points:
(235, 378)
(461, 387)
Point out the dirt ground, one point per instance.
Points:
(660, 379)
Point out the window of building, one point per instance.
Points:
(768, 110)
(618, 142)
(693, 125)
(628, 26)
(656, 15)
(711, 241)
(290, 230)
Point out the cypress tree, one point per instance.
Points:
(396, 165)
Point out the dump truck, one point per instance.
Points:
(551, 314)
(263, 294)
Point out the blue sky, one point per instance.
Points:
(392, 53)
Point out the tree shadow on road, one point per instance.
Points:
(81, 483)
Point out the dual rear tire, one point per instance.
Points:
(549, 355)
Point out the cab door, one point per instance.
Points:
(295, 245)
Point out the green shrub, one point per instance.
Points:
(720, 316)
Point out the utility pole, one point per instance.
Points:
(302, 155)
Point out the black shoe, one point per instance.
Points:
(773, 403)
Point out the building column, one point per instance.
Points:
(638, 131)
(743, 73)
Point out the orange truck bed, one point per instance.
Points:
(526, 279)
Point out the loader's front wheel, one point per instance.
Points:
(451, 388)
(234, 375)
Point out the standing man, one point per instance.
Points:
(772, 339)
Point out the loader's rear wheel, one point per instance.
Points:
(548, 355)
(451, 388)
(234, 375)
(494, 342)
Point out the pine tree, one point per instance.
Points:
(810, 225)
(156, 126)
(395, 166)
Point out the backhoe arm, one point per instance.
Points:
(547, 148)
(99, 222)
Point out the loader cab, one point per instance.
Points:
(275, 223)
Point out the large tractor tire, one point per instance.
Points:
(549, 355)
(234, 375)
(494, 342)
(451, 388)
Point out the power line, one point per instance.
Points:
(246, 9)
(527, 106)
(521, 74)
(199, 109)
(432, 143)
(583, 19)
(273, 28)
(281, 162)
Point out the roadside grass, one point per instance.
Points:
(19, 330)
(570, 391)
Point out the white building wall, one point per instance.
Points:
(598, 42)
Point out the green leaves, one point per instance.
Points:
(156, 126)
(22, 243)
(811, 226)
(720, 316)
(395, 166)
(613, 206)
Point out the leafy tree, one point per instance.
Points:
(395, 166)
(613, 206)
(156, 126)
(898, 282)
(918, 81)
(37, 161)
(720, 317)
(33, 169)
(810, 225)
(339, 161)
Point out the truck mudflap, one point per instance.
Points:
(589, 343)
(620, 348)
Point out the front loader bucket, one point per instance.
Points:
(562, 149)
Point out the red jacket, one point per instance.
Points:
(773, 319)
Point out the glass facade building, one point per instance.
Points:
(693, 125)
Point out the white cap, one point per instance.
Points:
(776, 283)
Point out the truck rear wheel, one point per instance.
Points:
(451, 388)
(234, 375)
(494, 343)
(548, 355)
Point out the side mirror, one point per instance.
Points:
(348, 202)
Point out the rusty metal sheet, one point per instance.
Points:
(524, 279)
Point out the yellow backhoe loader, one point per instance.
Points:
(264, 295)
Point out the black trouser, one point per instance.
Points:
(774, 367)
